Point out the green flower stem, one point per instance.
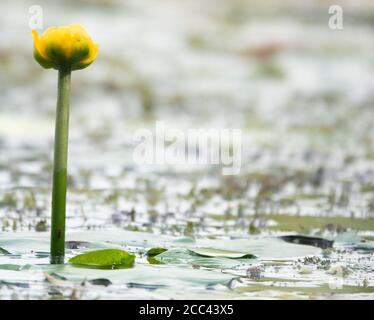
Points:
(60, 168)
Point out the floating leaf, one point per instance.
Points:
(106, 258)
(218, 253)
(189, 257)
(3, 251)
(155, 251)
(263, 248)
(153, 260)
(13, 267)
(145, 274)
(17, 244)
(152, 253)
(309, 241)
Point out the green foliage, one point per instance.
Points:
(41, 226)
(3, 251)
(106, 259)
(155, 251)
(29, 201)
(203, 257)
(152, 253)
(9, 200)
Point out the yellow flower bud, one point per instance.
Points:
(68, 47)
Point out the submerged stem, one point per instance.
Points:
(60, 168)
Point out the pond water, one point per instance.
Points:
(301, 94)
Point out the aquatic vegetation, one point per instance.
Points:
(65, 49)
(105, 258)
(3, 251)
(155, 251)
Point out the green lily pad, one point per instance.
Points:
(189, 257)
(106, 259)
(218, 253)
(155, 251)
(3, 251)
(152, 253)
(263, 248)
(153, 260)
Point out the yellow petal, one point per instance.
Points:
(38, 44)
(94, 49)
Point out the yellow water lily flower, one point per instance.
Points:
(68, 47)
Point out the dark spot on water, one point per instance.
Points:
(100, 282)
(310, 241)
(13, 284)
(57, 276)
(76, 244)
(150, 287)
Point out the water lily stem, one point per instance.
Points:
(60, 168)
